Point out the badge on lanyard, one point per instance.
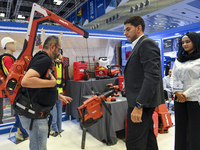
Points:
(178, 85)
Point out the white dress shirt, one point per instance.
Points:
(189, 74)
(135, 42)
(166, 83)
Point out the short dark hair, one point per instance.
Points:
(51, 40)
(135, 21)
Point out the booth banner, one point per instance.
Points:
(91, 5)
(82, 15)
(69, 18)
(112, 4)
(166, 59)
(100, 7)
(73, 17)
(79, 16)
(120, 2)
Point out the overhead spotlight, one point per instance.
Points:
(146, 3)
(106, 20)
(135, 8)
(131, 9)
(113, 18)
(97, 26)
(117, 16)
(141, 5)
(110, 19)
(2, 14)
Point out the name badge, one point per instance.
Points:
(178, 86)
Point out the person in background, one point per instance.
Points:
(166, 82)
(8, 59)
(144, 87)
(57, 109)
(167, 87)
(185, 83)
(35, 79)
(168, 66)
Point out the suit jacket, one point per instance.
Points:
(143, 76)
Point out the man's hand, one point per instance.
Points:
(65, 99)
(136, 115)
(181, 98)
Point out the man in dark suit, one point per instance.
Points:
(143, 84)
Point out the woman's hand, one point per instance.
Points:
(181, 97)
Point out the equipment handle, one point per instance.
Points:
(83, 138)
(106, 107)
(104, 96)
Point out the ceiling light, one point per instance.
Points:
(141, 5)
(131, 9)
(2, 14)
(58, 2)
(117, 16)
(106, 20)
(146, 3)
(20, 17)
(135, 7)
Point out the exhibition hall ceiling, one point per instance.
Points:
(158, 14)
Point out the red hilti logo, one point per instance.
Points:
(167, 119)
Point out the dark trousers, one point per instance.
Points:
(1, 110)
(140, 136)
(187, 126)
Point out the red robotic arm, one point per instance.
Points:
(12, 83)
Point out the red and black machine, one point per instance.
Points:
(165, 121)
(115, 94)
(80, 71)
(18, 69)
(92, 110)
(102, 72)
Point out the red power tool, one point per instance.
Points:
(80, 70)
(17, 71)
(116, 89)
(165, 121)
(91, 111)
(102, 72)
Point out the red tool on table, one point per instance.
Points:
(92, 110)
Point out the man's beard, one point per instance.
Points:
(54, 55)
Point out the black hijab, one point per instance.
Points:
(182, 55)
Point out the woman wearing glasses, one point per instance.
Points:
(185, 82)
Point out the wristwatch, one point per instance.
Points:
(138, 105)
